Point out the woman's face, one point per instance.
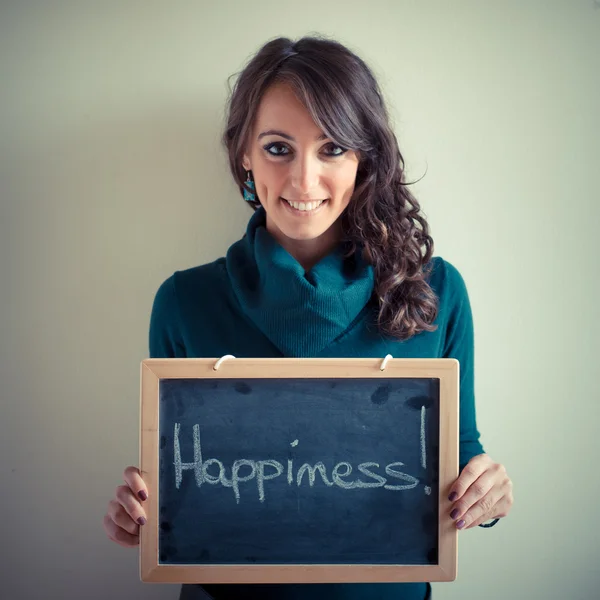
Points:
(304, 181)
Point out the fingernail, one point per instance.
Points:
(454, 513)
(460, 524)
(453, 496)
(142, 494)
(141, 521)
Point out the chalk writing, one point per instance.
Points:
(245, 470)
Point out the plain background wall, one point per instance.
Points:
(112, 177)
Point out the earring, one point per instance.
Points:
(249, 197)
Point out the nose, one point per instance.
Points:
(306, 171)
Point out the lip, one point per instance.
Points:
(303, 213)
(305, 201)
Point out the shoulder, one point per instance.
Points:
(186, 281)
(446, 280)
(188, 284)
(450, 288)
(454, 309)
(183, 300)
(189, 281)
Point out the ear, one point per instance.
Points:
(246, 163)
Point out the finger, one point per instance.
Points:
(134, 480)
(504, 505)
(478, 490)
(481, 520)
(118, 535)
(480, 499)
(131, 504)
(472, 471)
(475, 523)
(122, 518)
(483, 510)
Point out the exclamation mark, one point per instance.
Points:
(423, 451)
(423, 447)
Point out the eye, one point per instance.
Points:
(341, 150)
(269, 147)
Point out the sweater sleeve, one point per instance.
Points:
(165, 338)
(459, 344)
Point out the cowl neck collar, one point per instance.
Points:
(300, 312)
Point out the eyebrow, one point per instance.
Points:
(287, 136)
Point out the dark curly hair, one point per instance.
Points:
(383, 218)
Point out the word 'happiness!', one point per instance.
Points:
(244, 470)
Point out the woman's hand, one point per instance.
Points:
(125, 512)
(482, 491)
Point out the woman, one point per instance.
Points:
(336, 262)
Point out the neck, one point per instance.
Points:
(308, 252)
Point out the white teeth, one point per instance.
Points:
(305, 206)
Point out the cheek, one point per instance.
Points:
(347, 175)
(346, 183)
(271, 180)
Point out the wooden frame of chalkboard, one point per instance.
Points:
(236, 532)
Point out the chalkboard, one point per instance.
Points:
(281, 470)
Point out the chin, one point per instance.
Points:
(303, 233)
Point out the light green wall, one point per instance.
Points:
(112, 177)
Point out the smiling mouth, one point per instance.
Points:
(305, 206)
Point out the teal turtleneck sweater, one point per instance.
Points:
(257, 301)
